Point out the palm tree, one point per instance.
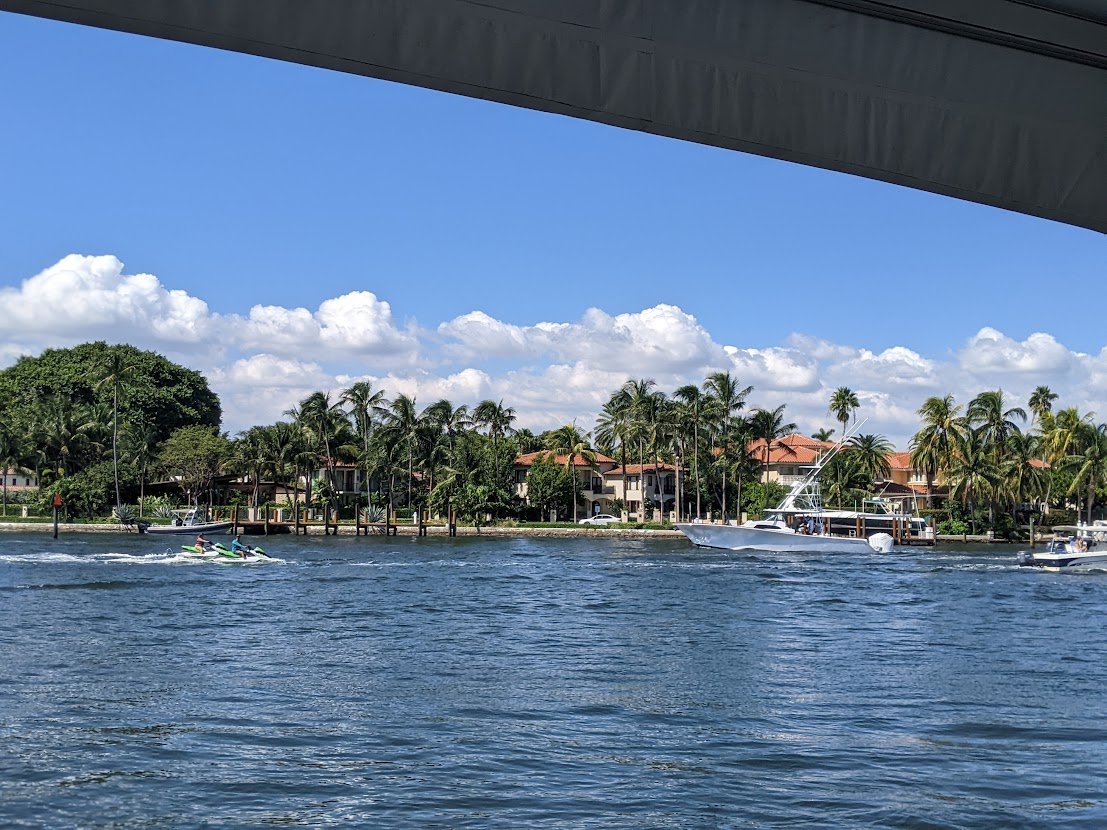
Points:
(693, 403)
(615, 427)
(732, 457)
(1022, 476)
(1041, 402)
(973, 472)
(401, 428)
(140, 445)
(289, 453)
(843, 477)
(768, 426)
(843, 404)
(364, 404)
(118, 369)
(822, 434)
(932, 446)
(1061, 431)
(497, 420)
(66, 432)
(987, 411)
(869, 453)
(658, 423)
(725, 400)
(640, 392)
(319, 419)
(1089, 464)
(572, 443)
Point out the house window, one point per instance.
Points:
(632, 482)
(520, 476)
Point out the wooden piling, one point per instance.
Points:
(453, 523)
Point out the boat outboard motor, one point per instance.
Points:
(882, 542)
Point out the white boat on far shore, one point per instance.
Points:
(193, 521)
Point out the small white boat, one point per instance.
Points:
(801, 523)
(192, 521)
(1073, 548)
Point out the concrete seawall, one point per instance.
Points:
(349, 530)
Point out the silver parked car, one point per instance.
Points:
(599, 519)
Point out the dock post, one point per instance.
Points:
(857, 528)
(453, 522)
(296, 516)
(422, 523)
(266, 520)
(234, 520)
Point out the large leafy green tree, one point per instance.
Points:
(159, 393)
(194, 456)
(550, 486)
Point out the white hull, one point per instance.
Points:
(194, 530)
(1095, 560)
(741, 537)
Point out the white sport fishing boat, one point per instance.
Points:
(801, 523)
(1073, 548)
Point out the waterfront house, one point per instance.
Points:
(596, 491)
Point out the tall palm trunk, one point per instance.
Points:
(696, 464)
(115, 444)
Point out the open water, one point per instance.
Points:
(506, 683)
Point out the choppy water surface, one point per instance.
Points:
(545, 683)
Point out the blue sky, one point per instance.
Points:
(485, 251)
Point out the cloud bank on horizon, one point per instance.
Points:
(263, 362)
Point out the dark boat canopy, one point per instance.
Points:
(1002, 102)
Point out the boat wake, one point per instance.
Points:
(168, 557)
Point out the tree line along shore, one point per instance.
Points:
(114, 429)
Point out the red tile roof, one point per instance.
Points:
(899, 460)
(526, 459)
